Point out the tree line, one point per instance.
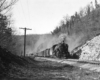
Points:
(6, 32)
(77, 22)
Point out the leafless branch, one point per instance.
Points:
(5, 5)
(2, 3)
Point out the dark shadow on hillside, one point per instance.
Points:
(9, 60)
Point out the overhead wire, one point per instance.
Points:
(19, 12)
(29, 13)
(25, 19)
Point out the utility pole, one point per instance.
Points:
(25, 38)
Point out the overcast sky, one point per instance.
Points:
(42, 16)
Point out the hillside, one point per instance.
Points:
(18, 43)
(91, 50)
(34, 43)
(81, 26)
(8, 61)
(76, 30)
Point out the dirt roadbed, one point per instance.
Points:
(90, 65)
(40, 69)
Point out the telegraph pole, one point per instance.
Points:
(25, 39)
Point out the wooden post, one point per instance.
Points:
(25, 39)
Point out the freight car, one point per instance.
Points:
(58, 50)
(45, 53)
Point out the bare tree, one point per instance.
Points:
(5, 5)
(96, 4)
(5, 30)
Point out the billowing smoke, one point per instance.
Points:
(48, 40)
(38, 43)
(44, 42)
(74, 40)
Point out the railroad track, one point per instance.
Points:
(89, 65)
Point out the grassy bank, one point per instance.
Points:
(45, 70)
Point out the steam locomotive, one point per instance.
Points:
(56, 51)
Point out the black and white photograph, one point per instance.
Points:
(49, 39)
